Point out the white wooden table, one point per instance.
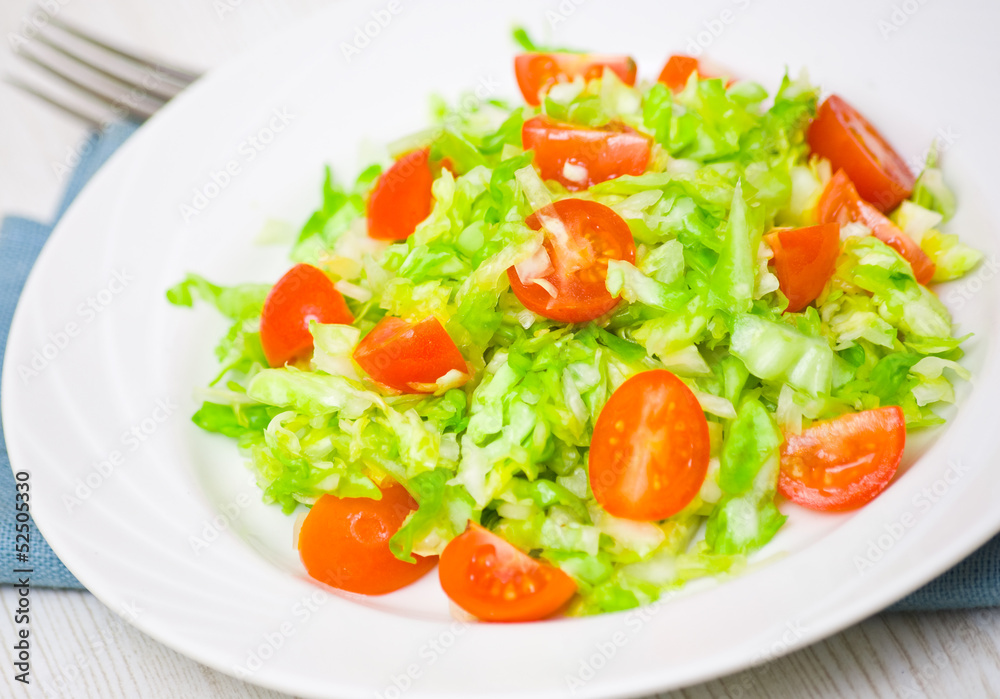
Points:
(83, 649)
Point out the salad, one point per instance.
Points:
(578, 352)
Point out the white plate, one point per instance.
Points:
(125, 487)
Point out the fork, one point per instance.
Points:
(130, 85)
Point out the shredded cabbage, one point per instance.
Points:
(509, 448)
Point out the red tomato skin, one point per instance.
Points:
(344, 542)
(605, 153)
(677, 70)
(841, 203)
(840, 134)
(401, 198)
(578, 299)
(890, 234)
(652, 414)
(398, 354)
(305, 293)
(539, 71)
(838, 201)
(478, 566)
(878, 435)
(804, 260)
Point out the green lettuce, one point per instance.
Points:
(731, 285)
(775, 351)
(746, 518)
(930, 190)
(239, 350)
(952, 258)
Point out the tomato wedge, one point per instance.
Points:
(401, 197)
(409, 357)
(677, 70)
(537, 72)
(843, 463)
(494, 581)
(344, 542)
(305, 293)
(804, 259)
(571, 288)
(840, 203)
(840, 134)
(649, 453)
(579, 157)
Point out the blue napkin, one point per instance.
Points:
(973, 583)
(20, 242)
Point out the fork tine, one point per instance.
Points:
(118, 78)
(24, 87)
(182, 77)
(134, 111)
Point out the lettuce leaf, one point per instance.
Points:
(746, 518)
(776, 351)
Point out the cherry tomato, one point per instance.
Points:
(837, 202)
(401, 198)
(344, 542)
(408, 358)
(804, 259)
(677, 70)
(840, 134)
(844, 463)
(573, 289)
(841, 203)
(649, 453)
(305, 293)
(578, 156)
(494, 581)
(537, 72)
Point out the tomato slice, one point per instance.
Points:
(537, 72)
(677, 70)
(305, 293)
(344, 542)
(494, 581)
(401, 197)
(579, 157)
(838, 202)
(840, 134)
(804, 259)
(843, 463)
(890, 234)
(572, 288)
(409, 357)
(841, 203)
(649, 453)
